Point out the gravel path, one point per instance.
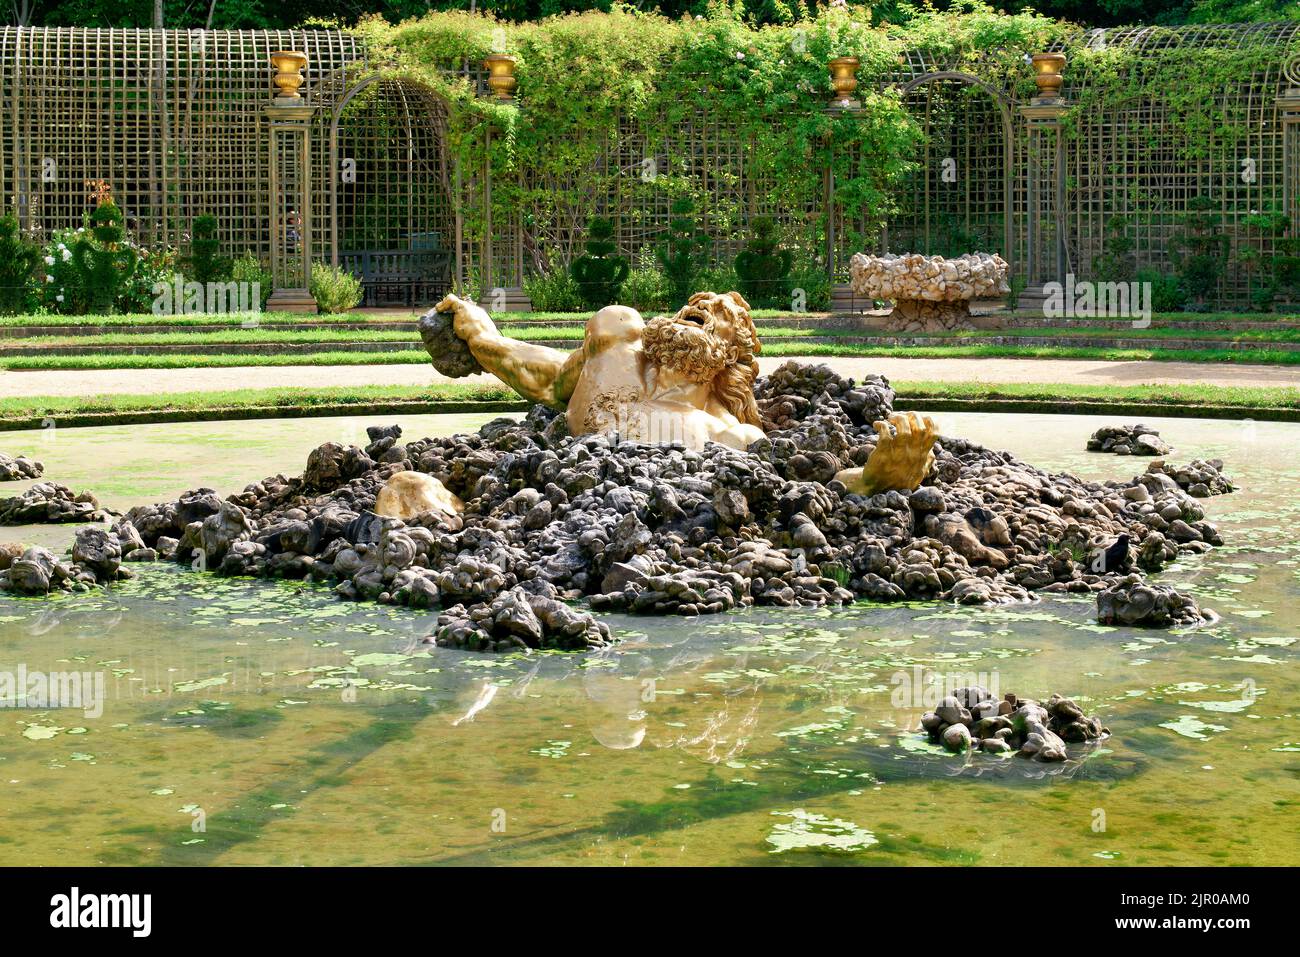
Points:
(1066, 371)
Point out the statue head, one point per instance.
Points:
(711, 339)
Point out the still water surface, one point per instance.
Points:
(267, 723)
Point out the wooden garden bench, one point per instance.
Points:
(410, 276)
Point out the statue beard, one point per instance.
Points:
(693, 352)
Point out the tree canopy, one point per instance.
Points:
(252, 14)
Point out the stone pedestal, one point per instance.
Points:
(1045, 256)
(289, 127)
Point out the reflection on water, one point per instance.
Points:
(265, 722)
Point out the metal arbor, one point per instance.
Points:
(175, 122)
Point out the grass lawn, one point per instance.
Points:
(771, 348)
(270, 334)
(25, 412)
(281, 318)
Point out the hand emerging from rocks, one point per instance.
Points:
(902, 459)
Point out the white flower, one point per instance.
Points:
(67, 254)
(740, 55)
(49, 260)
(49, 278)
(58, 298)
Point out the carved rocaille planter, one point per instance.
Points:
(930, 293)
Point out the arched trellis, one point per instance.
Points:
(424, 117)
(1002, 104)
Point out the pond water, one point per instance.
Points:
(267, 723)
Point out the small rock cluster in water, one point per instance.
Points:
(551, 518)
(1128, 440)
(1134, 601)
(95, 559)
(49, 502)
(1199, 478)
(972, 718)
(13, 469)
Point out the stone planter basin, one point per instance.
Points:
(930, 293)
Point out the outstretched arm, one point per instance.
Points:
(535, 372)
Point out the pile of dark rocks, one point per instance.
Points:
(973, 719)
(1134, 601)
(14, 469)
(49, 502)
(1199, 478)
(1128, 440)
(95, 558)
(550, 518)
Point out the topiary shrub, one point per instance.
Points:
(763, 267)
(334, 288)
(105, 266)
(19, 257)
(682, 256)
(600, 273)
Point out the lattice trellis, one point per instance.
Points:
(1129, 169)
(174, 121)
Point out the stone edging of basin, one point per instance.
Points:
(73, 420)
(453, 407)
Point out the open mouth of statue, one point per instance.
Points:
(694, 317)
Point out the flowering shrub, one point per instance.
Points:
(63, 290)
(86, 271)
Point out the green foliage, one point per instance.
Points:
(1199, 250)
(716, 279)
(154, 266)
(1015, 286)
(248, 268)
(288, 14)
(683, 254)
(1167, 293)
(810, 277)
(19, 257)
(1116, 262)
(334, 288)
(763, 267)
(1274, 276)
(1241, 11)
(93, 269)
(649, 289)
(601, 271)
(205, 263)
(554, 291)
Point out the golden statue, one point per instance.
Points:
(686, 379)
